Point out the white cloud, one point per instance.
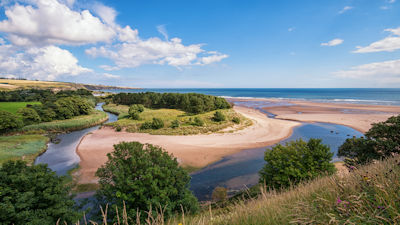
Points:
(388, 44)
(108, 75)
(107, 14)
(51, 22)
(380, 71)
(46, 63)
(163, 30)
(391, 1)
(346, 8)
(212, 58)
(290, 29)
(333, 42)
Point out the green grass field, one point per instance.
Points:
(168, 115)
(13, 107)
(25, 147)
(76, 123)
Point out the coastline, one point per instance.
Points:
(191, 150)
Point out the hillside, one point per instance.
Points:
(11, 84)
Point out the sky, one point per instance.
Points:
(203, 43)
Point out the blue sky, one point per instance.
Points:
(205, 43)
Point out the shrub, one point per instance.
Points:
(296, 161)
(198, 121)
(236, 120)
(34, 195)
(219, 116)
(142, 177)
(118, 128)
(137, 107)
(175, 124)
(9, 122)
(146, 125)
(29, 116)
(219, 194)
(157, 123)
(135, 110)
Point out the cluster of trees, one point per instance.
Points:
(189, 102)
(39, 95)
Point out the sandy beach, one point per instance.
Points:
(359, 117)
(191, 150)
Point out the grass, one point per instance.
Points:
(10, 84)
(76, 123)
(186, 121)
(13, 107)
(25, 147)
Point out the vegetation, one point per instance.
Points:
(296, 161)
(381, 141)
(34, 195)
(219, 116)
(176, 122)
(236, 120)
(141, 177)
(29, 116)
(190, 102)
(13, 107)
(9, 122)
(25, 147)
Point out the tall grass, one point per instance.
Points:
(368, 195)
(25, 147)
(76, 123)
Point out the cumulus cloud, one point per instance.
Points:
(380, 71)
(51, 22)
(333, 42)
(45, 63)
(388, 44)
(345, 9)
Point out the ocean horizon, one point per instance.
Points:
(369, 96)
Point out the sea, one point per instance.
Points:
(372, 96)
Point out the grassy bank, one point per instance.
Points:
(186, 121)
(369, 195)
(76, 123)
(26, 147)
(13, 107)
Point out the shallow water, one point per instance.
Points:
(62, 157)
(240, 170)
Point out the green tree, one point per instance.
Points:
(135, 110)
(29, 116)
(296, 161)
(144, 177)
(219, 116)
(9, 122)
(34, 195)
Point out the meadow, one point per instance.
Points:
(186, 121)
(76, 123)
(13, 107)
(25, 147)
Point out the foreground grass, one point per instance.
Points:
(186, 121)
(25, 147)
(76, 123)
(13, 107)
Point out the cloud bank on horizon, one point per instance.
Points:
(37, 31)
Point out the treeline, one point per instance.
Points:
(188, 102)
(39, 95)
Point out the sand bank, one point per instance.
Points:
(191, 150)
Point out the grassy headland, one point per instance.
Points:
(25, 147)
(186, 121)
(13, 107)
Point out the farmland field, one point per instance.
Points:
(13, 107)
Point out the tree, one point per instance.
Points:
(381, 141)
(29, 116)
(34, 195)
(9, 122)
(135, 110)
(144, 177)
(296, 161)
(219, 116)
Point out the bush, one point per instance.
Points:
(146, 125)
(135, 110)
(9, 122)
(175, 124)
(219, 194)
(381, 141)
(219, 116)
(198, 121)
(29, 116)
(236, 120)
(137, 107)
(118, 128)
(157, 123)
(296, 161)
(34, 195)
(144, 177)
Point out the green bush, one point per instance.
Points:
(146, 125)
(198, 121)
(135, 110)
(8, 122)
(141, 177)
(157, 123)
(118, 128)
(219, 116)
(175, 124)
(29, 116)
(294, 162)
(236, 120)
(34, 195)
(137, 107)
